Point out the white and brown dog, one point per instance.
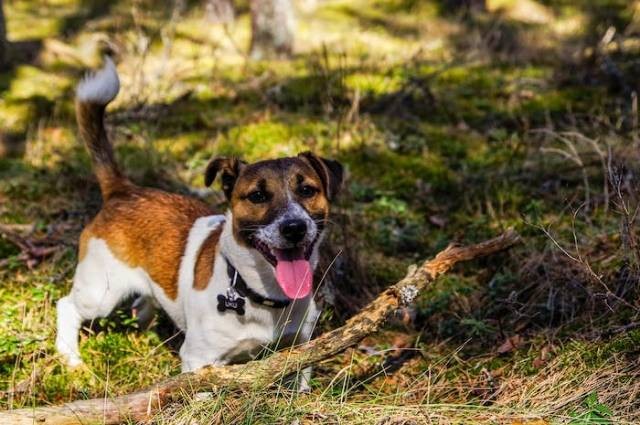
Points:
(234, 283)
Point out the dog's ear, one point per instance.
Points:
(229, 169)
(330, 172)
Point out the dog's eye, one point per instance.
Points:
(307, 191)
(258, 196)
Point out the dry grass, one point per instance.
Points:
(452, 127)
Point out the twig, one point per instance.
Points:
(30, 252)
(142, 405)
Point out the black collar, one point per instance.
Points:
(244, 291)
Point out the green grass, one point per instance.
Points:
(451, 128)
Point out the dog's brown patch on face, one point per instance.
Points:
(205, 261)
(278, 181)
(147, 228)
(316, 205)
(249, 215)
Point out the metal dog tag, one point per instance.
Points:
(232, 301)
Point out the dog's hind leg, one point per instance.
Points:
(100, 283)
(91, 296)
(68, 324)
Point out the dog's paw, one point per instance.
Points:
(298, 382)
(72, 361)
(304, 387)
(203, 396)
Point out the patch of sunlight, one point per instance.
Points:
(527, 11)
(15, 116)
(370, 83)
(486, 78)
(31, 82)
(156, 81)
(472, 77)
(36, 20)
(84, 52)
(194, 26)
(159, 80)
(48, 147)
(423, 9)
(181, 144)
(189, 50)
(225, 46)
(354, 27)
(630, 46)
(572, 24)
(634, 12)
(269, 140)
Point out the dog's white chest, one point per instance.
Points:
(227, 337)
(215, 337)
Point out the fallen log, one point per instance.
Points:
(142, 405)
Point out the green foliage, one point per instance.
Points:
(595, 356)
(444, 121)
(595, 412)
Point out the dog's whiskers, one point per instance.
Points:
(324, 221)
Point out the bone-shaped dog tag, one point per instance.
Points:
(231, 303)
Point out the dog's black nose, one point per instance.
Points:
(294, 230)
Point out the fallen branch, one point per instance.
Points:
(31, 252)
(140, 406)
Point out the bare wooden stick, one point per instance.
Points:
(144, 404)
(31, 252)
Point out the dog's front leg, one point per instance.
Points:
(191, 363)
(304, 381)
(302, 378)
(196, 352)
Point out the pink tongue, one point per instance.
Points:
(295, 277)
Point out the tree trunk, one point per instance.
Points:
(219, 11)
(259, 374)
(272, 29)
(4, 44)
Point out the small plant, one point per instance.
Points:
(596, 412)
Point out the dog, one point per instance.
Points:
(234, 283)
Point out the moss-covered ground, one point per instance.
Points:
(453, 125)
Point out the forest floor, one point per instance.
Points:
(452, 126)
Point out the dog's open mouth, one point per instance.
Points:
(293, 269)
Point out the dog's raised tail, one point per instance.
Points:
(94, 93)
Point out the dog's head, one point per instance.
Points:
(279, 209)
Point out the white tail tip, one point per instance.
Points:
(100, 87)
